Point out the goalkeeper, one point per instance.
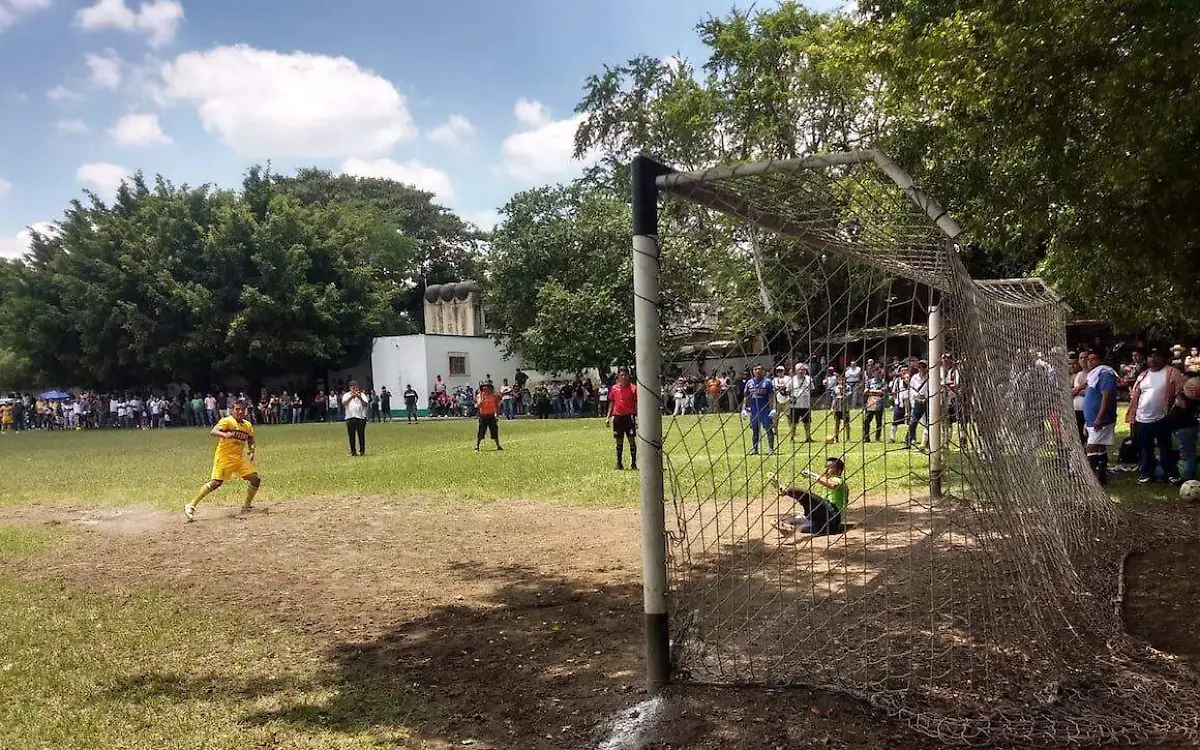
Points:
(823, 514)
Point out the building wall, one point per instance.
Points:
(399, 361)
(484, 357)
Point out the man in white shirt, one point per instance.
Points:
(918, 393)
(800, 388)
(210, 411)
(854, 382)
(955, 407)
(355, 404)
(830, 382)
(1150, 402)
(783, 398)
(898, 389)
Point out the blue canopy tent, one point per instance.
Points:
(54, 395)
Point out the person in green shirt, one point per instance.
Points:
(823, 514)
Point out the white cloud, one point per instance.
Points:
(61, 94)
(18, 245)
(485, 220)
(544, 150)
(103, 178)
(105, 70)
(411, 172)
(158, 20)
(456, 132)
(265, 104)
(531, 113)
(73, 127)
(5, 187)
(138, 130)
(12, 10)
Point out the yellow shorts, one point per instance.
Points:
(226, 470)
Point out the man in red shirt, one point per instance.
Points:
(622, 415)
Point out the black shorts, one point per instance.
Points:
(624, 425)
(841, 416)
(800, 414)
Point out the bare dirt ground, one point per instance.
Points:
(514, 624)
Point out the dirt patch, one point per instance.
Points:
(513, 625)
(1161, 601)
(123, 521)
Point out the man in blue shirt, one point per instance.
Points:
(1099, 414)
(759, 391)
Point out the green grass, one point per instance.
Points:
(543, 460)
(25, 541)
(143, 670)
(552, 460)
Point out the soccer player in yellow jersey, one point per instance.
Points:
(234, 458)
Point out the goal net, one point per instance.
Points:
(970, 582)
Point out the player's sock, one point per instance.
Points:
(251, 491)
(204, 492)
(621, 453)
(632, 454)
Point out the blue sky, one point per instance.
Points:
(470, 99)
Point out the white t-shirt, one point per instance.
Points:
(918, 387)
(801, 387)
(210, 403)
(356, 408)
(782, 389)
(949, 383)
(1152, 404)
(853, 374)
(830, 382)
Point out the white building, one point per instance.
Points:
(454, 346)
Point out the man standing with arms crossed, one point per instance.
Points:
(622, 415)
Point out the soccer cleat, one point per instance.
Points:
(189, 512)
(1145, 480)
(633, 466)
(620, 466)
(499, 448)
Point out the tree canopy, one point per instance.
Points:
(560, 289)
(198, 285)
(1056, 131)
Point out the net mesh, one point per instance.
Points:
(974, 587)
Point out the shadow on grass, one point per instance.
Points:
(538, 664)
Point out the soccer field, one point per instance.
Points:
(567, 461)
(421, 597)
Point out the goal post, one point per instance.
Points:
(648, 327)
(827, 501)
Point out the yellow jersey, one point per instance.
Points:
(231, 449)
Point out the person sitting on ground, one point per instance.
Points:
(823, 514)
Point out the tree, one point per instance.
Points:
(445, 248)
(1057, 131)
(198, 285)
(560, 290)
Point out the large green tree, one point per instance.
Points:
(560, 289)
(194, 284)
(1056, 131)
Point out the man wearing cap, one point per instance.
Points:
(782, 395)
(918, 389)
